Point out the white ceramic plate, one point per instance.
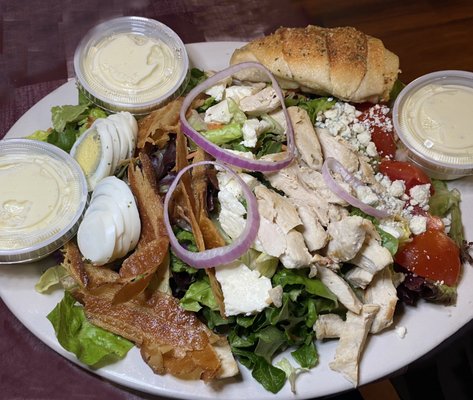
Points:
(427, 325)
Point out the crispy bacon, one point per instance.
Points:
(137, 270)
(155, 127)
(190, 203)
(171, 339)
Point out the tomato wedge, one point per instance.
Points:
(432, 255)
(401, 170)
(381, 129)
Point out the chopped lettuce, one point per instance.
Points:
(42, 136)
(445, 202)
(265, 264)
(268, 143)
(69, 122)
(238, 116)
(196, 121)
(257, 339)
(209, 102)
(92, 345)
(396, 89)
(314, 286)
(196, 77)
(291, 372)
(274, 126)
(62, 115)
(269, 376)
(64, 140)
(415, 287)
(306, 355)
(50, 278)
(225, 134)
(199, 294)
(187, 240)
(312, 105)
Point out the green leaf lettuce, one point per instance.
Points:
(92, 345)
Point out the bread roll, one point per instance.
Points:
(342, 62)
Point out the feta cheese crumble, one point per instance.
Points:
(245, 291)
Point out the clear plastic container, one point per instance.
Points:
(433, 117)
(131, 64)
(43, 197)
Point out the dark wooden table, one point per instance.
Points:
(37, 41)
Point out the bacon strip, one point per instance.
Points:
(155, 127)
(152, 248)
(171, 339)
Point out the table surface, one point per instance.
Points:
(37, 42)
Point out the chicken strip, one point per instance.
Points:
(340, 288)
(260, 103)
(329, 326)
(306, 139)
(382, 292)
(336, 147)
(346, 238)
(372, 257)
(352, 341)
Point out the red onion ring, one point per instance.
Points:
(221, 255)
(331, 164)
(221, 154)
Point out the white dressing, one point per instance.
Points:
(441, 115)
(133, 67)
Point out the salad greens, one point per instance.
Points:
(68, 123)
(92, 345)
(196, 77)
(312, 105)
(387, 240)
(257, 339)
(50, 278)
(446, 203)
(225, 134)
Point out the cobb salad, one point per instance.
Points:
(315, 269)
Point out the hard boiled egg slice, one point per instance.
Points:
(108, 205)
(94, 153)
(96, 237)
(127, 128)
(107, 127)
(124, 225)
(113, 199)
(119, 192)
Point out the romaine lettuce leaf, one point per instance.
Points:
(313, 286)
(445, 202)
(196, 77)
(42, 136)
(62, 115)
(199, 294)
(92, 345)
(312, 105)
(226, 134)
(239, 117)
(291, 372)
(51, 277)
(269, 376)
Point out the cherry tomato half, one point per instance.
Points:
(405, 171)
(432, 255)
(381, 129)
